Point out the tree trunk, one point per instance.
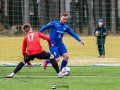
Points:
(81, 14)
(57, 11)
(104, 11)
(6, 15)
(117, 16)
(91, 26)
(26, 11)
(113, 21)
(73, 10)
(62, 6)
(41, 12)
(51, 10)
(108, 14)
(96, 10)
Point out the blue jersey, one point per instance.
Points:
(57, 31)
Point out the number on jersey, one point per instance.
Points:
(30, 37)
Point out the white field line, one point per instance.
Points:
(65, 76)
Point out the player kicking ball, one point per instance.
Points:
(58, 29)
(31, 48)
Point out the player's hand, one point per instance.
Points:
(82, 43)
(29, 64)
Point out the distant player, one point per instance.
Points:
(58, 28)
(32, 48)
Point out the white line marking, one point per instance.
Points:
(68, 76)
(64, 76)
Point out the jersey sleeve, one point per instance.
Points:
(24, 45)
(73, 34)
(44, 37)
(49, 25)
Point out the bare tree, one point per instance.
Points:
(96, 10)
(104, 10)
(6, 15)
(117, 17)
(26, 11)
(73, 13)
(57, 4)
(113, 17)
(51, 10)
(41, 12)
(62, 5)
(81, 14)
(91, 26)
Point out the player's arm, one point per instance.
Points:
(44, 37)
(49, 25)
(24, 45)
(73, 34)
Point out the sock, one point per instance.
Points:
(55, 65)
(63, 64)
(19, 66)
(48, 61)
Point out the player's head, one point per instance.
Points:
(100, 22)
(63, 17)
(26, 28)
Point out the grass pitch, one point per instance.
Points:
(81, 78)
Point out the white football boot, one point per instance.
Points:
(10, 75)
(60, 74)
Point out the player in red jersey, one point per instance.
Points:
(31, 48)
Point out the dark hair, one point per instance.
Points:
(64, 14)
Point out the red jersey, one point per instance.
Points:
(31, 43)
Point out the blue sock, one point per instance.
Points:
(48, 61)
(63, 64)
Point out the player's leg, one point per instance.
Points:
(64, 61)
(64, 53)
(47, 55)
(20, 65)
(54, 64)
(53, 51)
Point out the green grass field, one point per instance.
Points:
(81, 78)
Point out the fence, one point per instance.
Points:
(83, 14)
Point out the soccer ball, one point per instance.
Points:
(66, 69)
(97, 33)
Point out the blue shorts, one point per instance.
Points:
(58, 50)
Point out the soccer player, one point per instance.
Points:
(31, 48)
(58, 28)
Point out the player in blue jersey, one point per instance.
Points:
(58, 28)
